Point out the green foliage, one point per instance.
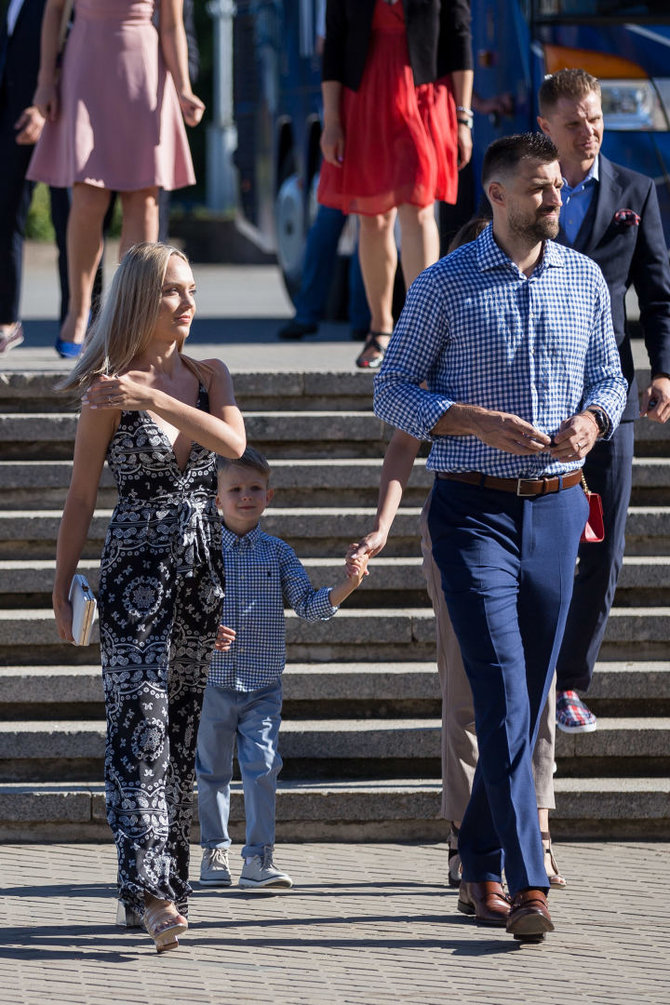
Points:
(38, 225)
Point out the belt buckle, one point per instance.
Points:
(520, 493)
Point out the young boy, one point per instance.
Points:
(244, 693)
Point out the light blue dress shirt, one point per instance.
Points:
(576, 202)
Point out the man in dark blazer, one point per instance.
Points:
(20, 127)
(611, 214)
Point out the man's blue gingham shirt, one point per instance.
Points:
(480, 332)
(262, 574)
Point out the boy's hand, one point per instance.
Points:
(357, 568)
(366, 548)
(224, 639)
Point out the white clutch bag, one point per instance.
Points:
(84, 607)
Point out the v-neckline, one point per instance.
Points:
(165, 436)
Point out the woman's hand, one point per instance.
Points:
(46, 101)
(63, 614)
(332, 143)
(464, 141)
(192, 108)
(224, 639)
(119, 392)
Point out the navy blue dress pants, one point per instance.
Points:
(507, 567)
(608, 470)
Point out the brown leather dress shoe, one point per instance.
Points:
(529, 917)
(486, 901)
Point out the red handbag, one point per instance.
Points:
(594, 531)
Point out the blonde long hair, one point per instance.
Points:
(128, 315)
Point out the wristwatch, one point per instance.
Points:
(602, 422)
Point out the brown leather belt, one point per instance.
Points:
(520, 486)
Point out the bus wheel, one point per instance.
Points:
(290, 221)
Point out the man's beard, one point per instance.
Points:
(532, 231)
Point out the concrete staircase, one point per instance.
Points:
(360, 737)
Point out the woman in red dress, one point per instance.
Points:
(397, 88)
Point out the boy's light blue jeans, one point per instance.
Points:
(253, 718)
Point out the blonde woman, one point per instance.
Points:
(159, 419)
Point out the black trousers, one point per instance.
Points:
(608, 470)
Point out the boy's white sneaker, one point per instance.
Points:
(261, 874)
(214, 868)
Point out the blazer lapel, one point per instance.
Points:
(608, 199)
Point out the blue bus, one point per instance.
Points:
(515, 42)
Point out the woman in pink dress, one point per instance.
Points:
(114, 124)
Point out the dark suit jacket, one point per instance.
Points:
(629, 254)
(21, 61)
(438, 38)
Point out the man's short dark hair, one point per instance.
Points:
(575, 84)
(504, 155)
(251, 458)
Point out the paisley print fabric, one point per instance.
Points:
(161, 594)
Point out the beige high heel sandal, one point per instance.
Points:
(164, 924)
(556, 881)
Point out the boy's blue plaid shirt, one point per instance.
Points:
(263, 573)
(479, 331)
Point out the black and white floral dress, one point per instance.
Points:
(161, 593)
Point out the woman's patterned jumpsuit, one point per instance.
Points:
(161, 593)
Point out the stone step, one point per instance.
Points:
(278, 434)
(322, 482)
(341, 391)
(45, 686)
(331, 743)
(387, 575)
(319, 533)
(390, 809)
(287, 433)
(413, 629)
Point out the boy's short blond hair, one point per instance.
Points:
(251, 458)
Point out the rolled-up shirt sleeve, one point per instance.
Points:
(417, 344)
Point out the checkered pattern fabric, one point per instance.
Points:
(263, 574)
(572, 715)
(480, 332)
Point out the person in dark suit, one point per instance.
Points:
(611, 214)
(20, 128)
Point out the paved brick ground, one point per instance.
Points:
(365, 924)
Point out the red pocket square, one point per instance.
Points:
(627, 217)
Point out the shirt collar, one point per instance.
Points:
(592, 176)
(491, 256)
(233, 540)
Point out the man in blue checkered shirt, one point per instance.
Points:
(512, 335)
(243, 696)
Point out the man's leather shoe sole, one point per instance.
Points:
(529, 917)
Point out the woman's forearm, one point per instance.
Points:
(50, 42)
(461, 81)
(396, 469)
(223, 433)
(331, 91)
